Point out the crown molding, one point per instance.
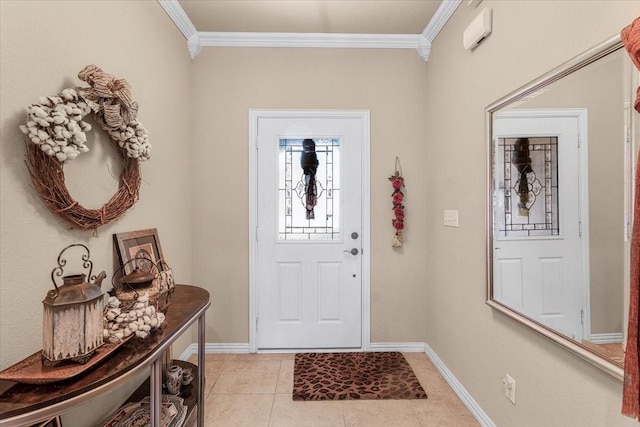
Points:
(179, 17)
(435, 25)
(424, 47)
(321, 40)
(437, 22)
(194, 44)
(421, 42)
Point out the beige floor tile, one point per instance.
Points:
(418, 355)
(238, 410)
(251, 357)
(242, 376)
(288, 356)
(255, 390)
(219, 356)
(289, 413)
(383, 413)
(419, 361)
(443, 410)
(436, 389)
(213, 369)
(285, 378)
(429, 377)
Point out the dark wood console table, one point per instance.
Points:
(26, 404)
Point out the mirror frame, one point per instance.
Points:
(546, 79)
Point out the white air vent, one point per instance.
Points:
(478, 30)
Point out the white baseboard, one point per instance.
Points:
(408, 347)
(610, 338)
(189, 351)
(462, 393)
(211, 348)
(215, 348)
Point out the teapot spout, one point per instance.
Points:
(100, 278)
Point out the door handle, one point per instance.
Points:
(353, 251)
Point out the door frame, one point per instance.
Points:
(363, 116)
(582, 118)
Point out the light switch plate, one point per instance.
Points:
(451, 218)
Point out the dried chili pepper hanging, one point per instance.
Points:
(397, 182)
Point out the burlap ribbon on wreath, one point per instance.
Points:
(108, 97)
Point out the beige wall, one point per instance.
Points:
(479, 345)
(389, 83)
(43, 45)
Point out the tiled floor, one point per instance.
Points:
(254, 390)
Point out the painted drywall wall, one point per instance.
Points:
(389, 83)
(554, 388)
(43, 45)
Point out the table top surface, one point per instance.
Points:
(17, 398)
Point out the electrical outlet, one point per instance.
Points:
(450, 218)
(509, 385)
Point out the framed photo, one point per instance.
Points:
(141, 245)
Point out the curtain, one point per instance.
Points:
(631, 394)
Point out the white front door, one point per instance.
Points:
(308, 267)
(539, 253)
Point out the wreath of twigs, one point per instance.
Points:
(48, 180)
(57, 134)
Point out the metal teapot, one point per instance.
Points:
(72, 324)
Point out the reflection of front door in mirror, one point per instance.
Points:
(538, 249)
(601, 81)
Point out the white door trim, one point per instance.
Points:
(363, 115)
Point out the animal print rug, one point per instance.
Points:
(353, 376)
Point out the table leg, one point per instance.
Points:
(156, 391)
(201, 369)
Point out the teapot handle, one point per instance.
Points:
(120, 270)
(59, 270)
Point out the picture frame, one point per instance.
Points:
(143, 245)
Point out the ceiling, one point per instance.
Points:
(311, 16)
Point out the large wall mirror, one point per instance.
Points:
(560, 195)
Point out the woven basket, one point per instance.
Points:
(160, 289)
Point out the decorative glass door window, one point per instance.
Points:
(309, 191)
(527, 187)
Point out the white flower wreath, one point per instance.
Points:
(57, 132)
(57, 127)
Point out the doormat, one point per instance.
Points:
(354, 376)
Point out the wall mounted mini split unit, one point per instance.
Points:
(478, 30)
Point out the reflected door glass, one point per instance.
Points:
(527, 183)
(309, 189)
